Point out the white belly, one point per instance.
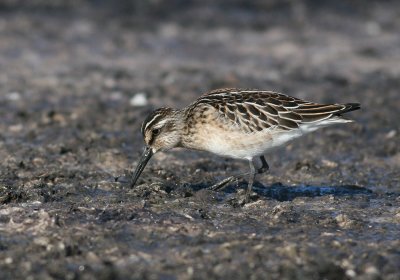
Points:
(246, 146)
(233, 142)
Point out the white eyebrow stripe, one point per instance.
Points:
(151, 121)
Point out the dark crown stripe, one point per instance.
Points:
(151, 120)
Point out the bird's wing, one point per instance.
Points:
(255, 110)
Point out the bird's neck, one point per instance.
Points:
(179, 125)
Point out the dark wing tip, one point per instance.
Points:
(348, 108)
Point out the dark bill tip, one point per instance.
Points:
(148, 152)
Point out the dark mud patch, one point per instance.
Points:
(78, 78)
(287, 193)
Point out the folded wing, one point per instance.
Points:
(254, 110)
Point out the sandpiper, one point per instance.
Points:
(236, 123)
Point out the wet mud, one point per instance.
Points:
(76, 80)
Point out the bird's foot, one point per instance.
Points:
(243, 197)
(222, 184)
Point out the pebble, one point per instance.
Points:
(351, 273)
(138, 100)
(329, 163)
(15, 128)
(372, 270)
(13, 96)
(391, 134)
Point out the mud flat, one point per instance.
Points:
(77, 79)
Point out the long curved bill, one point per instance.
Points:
(148, 152)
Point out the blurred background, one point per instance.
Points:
(78, 77)
(73, 73)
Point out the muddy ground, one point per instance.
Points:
(70, 76)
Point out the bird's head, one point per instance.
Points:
(161, 131)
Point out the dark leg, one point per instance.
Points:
(220, 185)
(264, 167)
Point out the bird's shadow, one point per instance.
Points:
(280, 192)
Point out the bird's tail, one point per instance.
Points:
(333, 118)
(348, 108)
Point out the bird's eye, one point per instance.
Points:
(155, 131)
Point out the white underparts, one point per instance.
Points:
(236, 144)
